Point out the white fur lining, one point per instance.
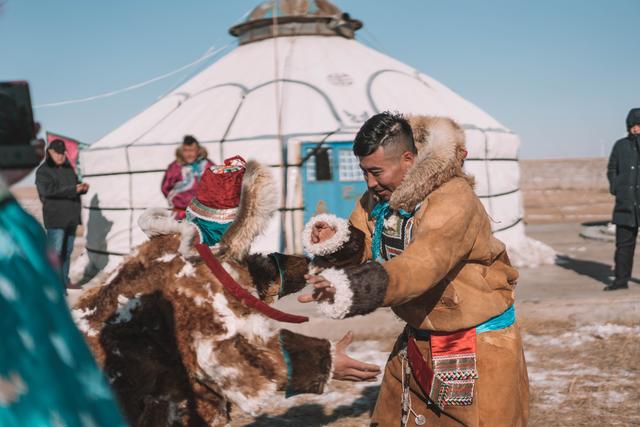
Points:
(159, 221)
(332, 352)
(331, 245)
(343, 298)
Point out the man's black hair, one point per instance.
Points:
(382, 130)
(190, 140)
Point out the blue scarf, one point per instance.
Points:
(380, 212)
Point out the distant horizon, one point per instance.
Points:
(557, 74)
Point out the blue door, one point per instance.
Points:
(336, 192)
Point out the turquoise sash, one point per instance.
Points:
(501, 321)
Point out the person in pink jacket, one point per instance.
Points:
(182, 176)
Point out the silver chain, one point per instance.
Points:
(407, 409)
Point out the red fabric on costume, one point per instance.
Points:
(221, 186)
(460, 342)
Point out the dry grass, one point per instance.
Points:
(592, 383)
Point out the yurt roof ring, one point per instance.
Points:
(282, 18)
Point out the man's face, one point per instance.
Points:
(635, 130)
(384, 173)
(58, 158)
(190, 152)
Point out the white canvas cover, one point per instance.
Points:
(261, 101)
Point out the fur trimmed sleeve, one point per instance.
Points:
(309, 363)
(359, 290)
(277, 275)
(345, 247)
(335, 243)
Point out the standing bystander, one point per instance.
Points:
(624, 183)
(60, 190)
(182, 176)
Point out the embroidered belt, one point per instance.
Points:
(452, 379)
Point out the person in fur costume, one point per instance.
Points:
(178, 348)
(419, 241)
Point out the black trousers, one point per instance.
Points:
(625, 247)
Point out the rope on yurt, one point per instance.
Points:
(208, 54)
(195, 71)
(278, 102)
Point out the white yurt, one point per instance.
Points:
(297, 84)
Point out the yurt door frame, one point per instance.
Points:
(332, 181)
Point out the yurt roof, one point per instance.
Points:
(293, 86)
(277, 18)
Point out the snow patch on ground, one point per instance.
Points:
(552, 385)
(531, 253)
(555, 379)
(369, 352)
(581, 335)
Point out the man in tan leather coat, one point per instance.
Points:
(419, 241)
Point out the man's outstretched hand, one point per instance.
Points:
(347, 369)
(323, 290)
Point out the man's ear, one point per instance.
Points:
(408, 157)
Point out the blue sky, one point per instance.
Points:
(560, 73)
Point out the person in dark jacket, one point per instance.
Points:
(59, 190)
(624, 184)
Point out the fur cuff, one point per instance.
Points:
(292, 269)
(343, 299)
(350, 254)
(359, 290)
(309, 363)
(158, 221)
(265, 276)
(331, 245)
(277, 275)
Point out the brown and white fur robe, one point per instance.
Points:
(177, 349)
